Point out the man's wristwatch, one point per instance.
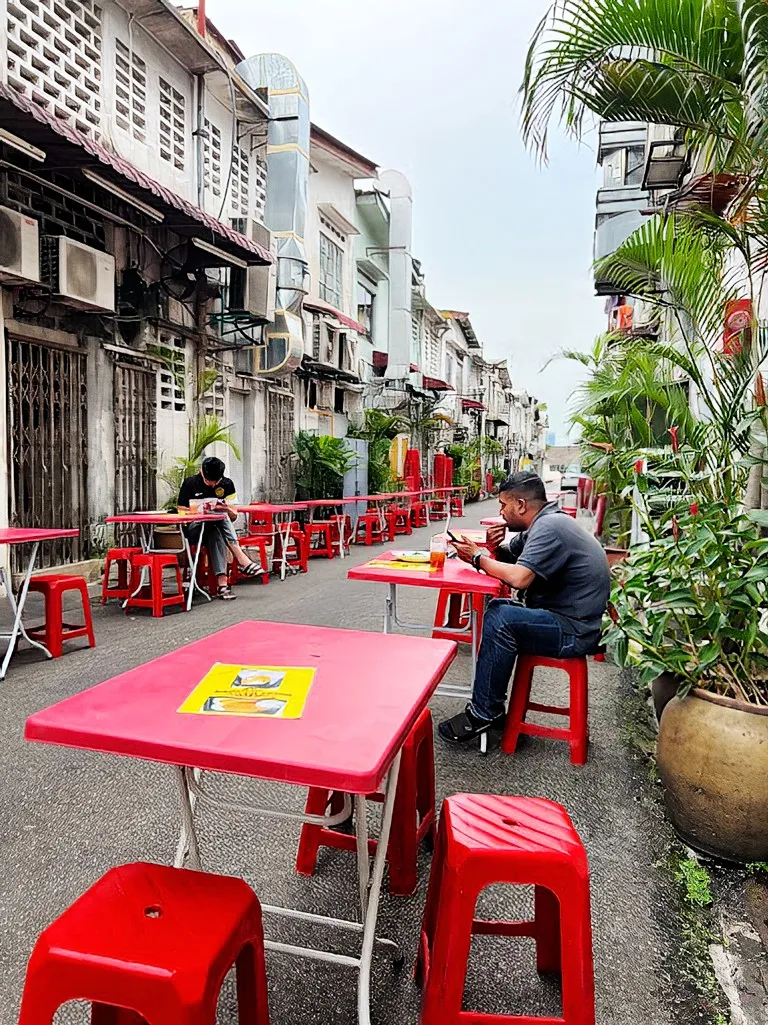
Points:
(476, 560)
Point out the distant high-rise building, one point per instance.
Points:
(551, 439)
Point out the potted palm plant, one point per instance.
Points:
(322, 463)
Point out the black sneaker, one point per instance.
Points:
(467, 726)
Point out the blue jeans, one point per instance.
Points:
(509, 628)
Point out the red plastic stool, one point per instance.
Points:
(341, 530)
(120, 557)
(321, 532)
(262, 543)
(298, 550)
(457, 506)
(520, 703)
(55, 631)
(412, 822)
(419, 514)
(437, 509)
(373, 532)
(156, 563)
(401, 520)
(453, 611)
(152, 942)
(522, 841)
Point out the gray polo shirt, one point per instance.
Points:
(572, 577)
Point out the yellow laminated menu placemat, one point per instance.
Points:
(418, 567)
(267, 692)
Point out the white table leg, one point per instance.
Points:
(193, 562)
(390, 605)
(340, 520)
(17, 607)
(363, 858)
(374, 895)
(188, 841)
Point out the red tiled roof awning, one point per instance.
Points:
(471, 404)
(68, 147)
(435, 384)
(322, 307)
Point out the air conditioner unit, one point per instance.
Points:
(253, 290)
(84, 276)
(19, 247)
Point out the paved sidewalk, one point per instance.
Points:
(67, 816)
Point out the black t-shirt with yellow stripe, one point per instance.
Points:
(195, 488)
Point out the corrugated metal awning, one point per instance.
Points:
(69, 148)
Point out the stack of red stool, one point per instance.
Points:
(483, 841)
(453, 611)
(457, 505)
(152, 942)
(53, 587)
(577, 732)
(413, 819)
(321, 532)
(155, 563)
(120, 557)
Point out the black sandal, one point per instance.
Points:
(467, 726)
(226, 593)
(253, 569)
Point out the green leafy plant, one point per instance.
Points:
(204, 432)
(322, 463)
(694, 603)
(694, 881)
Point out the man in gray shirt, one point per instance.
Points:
(564, 573)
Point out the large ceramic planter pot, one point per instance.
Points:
(712, 754)
(616, 555)
(663, 689)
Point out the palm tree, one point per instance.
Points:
(700, 66)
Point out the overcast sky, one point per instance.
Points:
(430, 87)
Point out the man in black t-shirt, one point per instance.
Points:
(564, 573)
(211, 488)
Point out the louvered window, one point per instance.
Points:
(212, 158)
(240, 181)
(130, 92)
(172, 127)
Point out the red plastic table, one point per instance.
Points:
(23, 536)
(456, 576)
(148, 520)
(492, 521)
(281, 516)
(349, 737)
